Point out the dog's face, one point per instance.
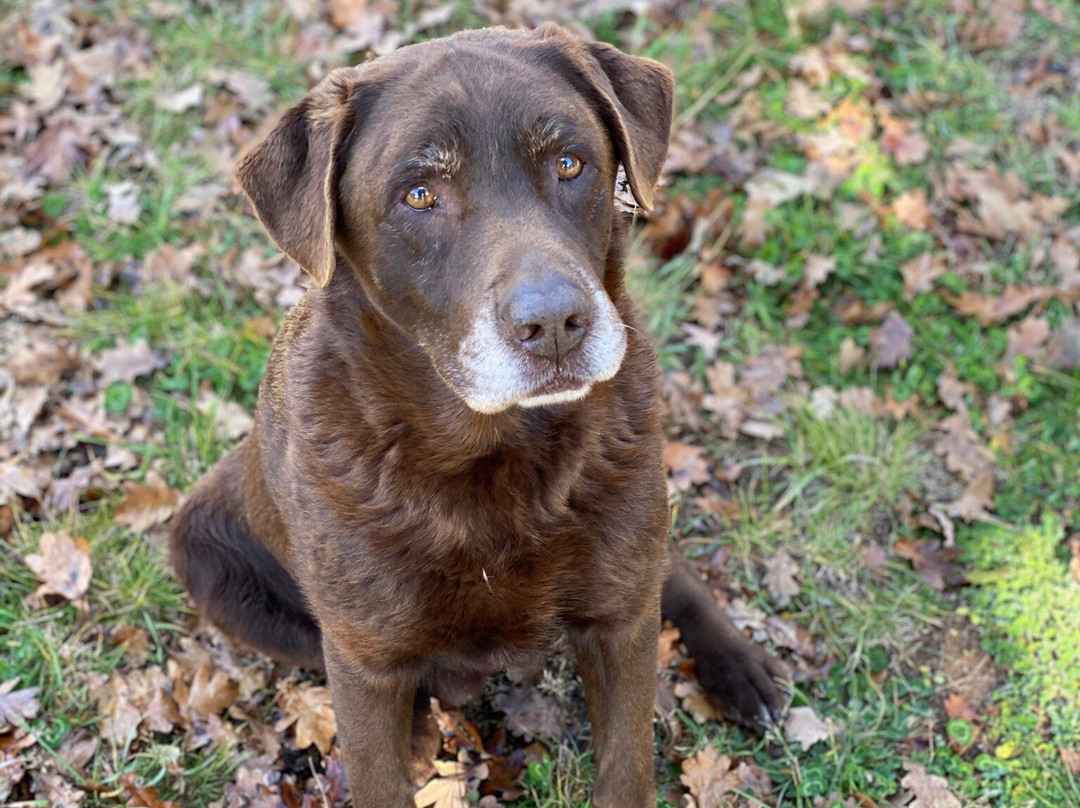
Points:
(474, 200)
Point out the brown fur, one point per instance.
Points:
(373, 520)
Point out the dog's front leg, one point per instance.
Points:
(618, 668)
(374, 720)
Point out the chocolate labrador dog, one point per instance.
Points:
(456, 456)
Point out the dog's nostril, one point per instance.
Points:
(576, 322)
(529, 332)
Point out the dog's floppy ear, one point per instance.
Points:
(634, 96)
(639, 116)
(290, 176)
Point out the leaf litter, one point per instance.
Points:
(72, 116)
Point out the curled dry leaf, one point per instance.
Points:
(890, 344)
(63, 566)
(910, 209)
(817, 269)
(709, 778)
(780, 571)
(144, 796)
(1026, 338)
(17, 706)
(695, 702)
(960, 446)
(956, 706)
(934, 562)
(309, 708)
(59, 793)
(667, 648)
(1070, 758)
(976, 500)
(992, 310)
(851, 355)
(902, 139)
(804, 727)
(920, 272)
(686, 464)
(926, 790)
(12, 773)
(122, 716)
(531, 713)
(146, 506)
(231, 421)
(449, 789)
(129, 361)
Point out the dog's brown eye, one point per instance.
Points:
(420, 198)
(569, 166)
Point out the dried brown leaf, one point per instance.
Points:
(129, 361)
(686, 464)
(63, 566)
(146, 506)
(919, 273)
(992, 310)
(531, 713)
(890, 344)
(851, 355)
(935, 563)
(709, 778)
(927, 790)
(17, 706)
(910, 209)
(780, 571)
(976, 499)
(309, 708)
(804, 727)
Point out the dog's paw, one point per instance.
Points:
(742, 679)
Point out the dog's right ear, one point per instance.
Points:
(290, 176)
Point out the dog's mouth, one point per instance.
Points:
(561, 389)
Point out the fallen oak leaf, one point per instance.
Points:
(1070, 758)
(695, 702)
(309, 708)
(920, 272)
(708, 777)
(890, 343)
(956, 706)
(935, 563)
(976, 499)
(63, 566)
(140, 796)
(449, 789)
(17, 706)
(146, 506)
(803, 726)
(129, 361)
(927, 790)
(992, 310)
(910, 209)
(779, 577)
(686, 464)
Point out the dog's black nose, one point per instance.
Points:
(548, 314)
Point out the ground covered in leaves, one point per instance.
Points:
(863, 276)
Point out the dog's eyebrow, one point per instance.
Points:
(440, 159)
(542, 134)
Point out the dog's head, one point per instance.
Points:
(468, 182)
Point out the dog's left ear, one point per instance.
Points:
(636, 97)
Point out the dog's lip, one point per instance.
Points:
(558, 382)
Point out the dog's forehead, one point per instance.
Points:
(473, 85)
